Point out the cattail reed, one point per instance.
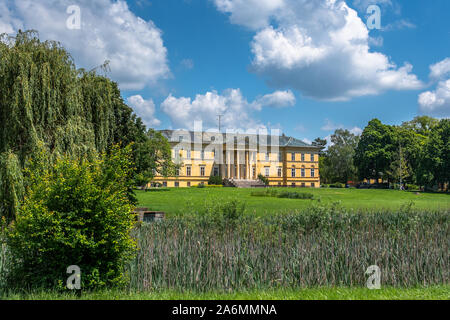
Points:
(320, 247)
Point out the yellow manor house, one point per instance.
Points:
(240, 158)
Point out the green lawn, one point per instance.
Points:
(435, 293)
(175, 201)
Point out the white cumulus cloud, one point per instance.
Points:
(109, 31)
(320, 48)
(278, 99)
(437, 102)
(441, 69)
(237, 112)
(250, 13)
(145, 109)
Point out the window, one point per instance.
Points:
(293, 184)
(189, 184)
(177, 172)
(303, 172)
(164, 184)
(312, 156)
(267, 156)
(280, 157)
(202, 171)
(303, 157)
(313, 184)
(303, 185)
(267, 171)
(216, 171)
(293, 156)
(188, 154)
(280, 173)
(293, 172)
(313, 172)
(188, 171)
(177, 184)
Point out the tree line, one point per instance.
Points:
(415, 152)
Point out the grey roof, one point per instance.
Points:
(189, 136)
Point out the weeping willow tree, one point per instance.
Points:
(48, 106)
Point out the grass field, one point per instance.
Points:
(433, 293)
(286, 249)
(176, 201)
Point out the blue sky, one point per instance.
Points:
(305, 67)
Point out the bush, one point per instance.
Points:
(285, 194)
(215, 180)
(412, 187)
(201, 185)
(79, 214)
(263, 179)
(295, 195)
(337, 185)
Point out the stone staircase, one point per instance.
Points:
(241, 183)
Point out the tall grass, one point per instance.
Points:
(220, 248)
(3, 260)
(320, 247)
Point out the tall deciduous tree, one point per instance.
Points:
(47, 105)
(375, 150)
(339, 156)
(435, 163)
(421, 125)
(321, 143)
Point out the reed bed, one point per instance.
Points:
(321, 247)
(3, 262)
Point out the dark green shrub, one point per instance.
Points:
(157, 190)
(232, 210)
(412, 187)
(337, 185)
(215, 180)
(295, 195)
(79, 214)
(263, 179)
(201, 185)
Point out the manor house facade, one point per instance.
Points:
(284, 160)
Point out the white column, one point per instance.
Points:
(247, 165)
(222, 166)
(228, 164)
(238, 172)
(253, 163)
